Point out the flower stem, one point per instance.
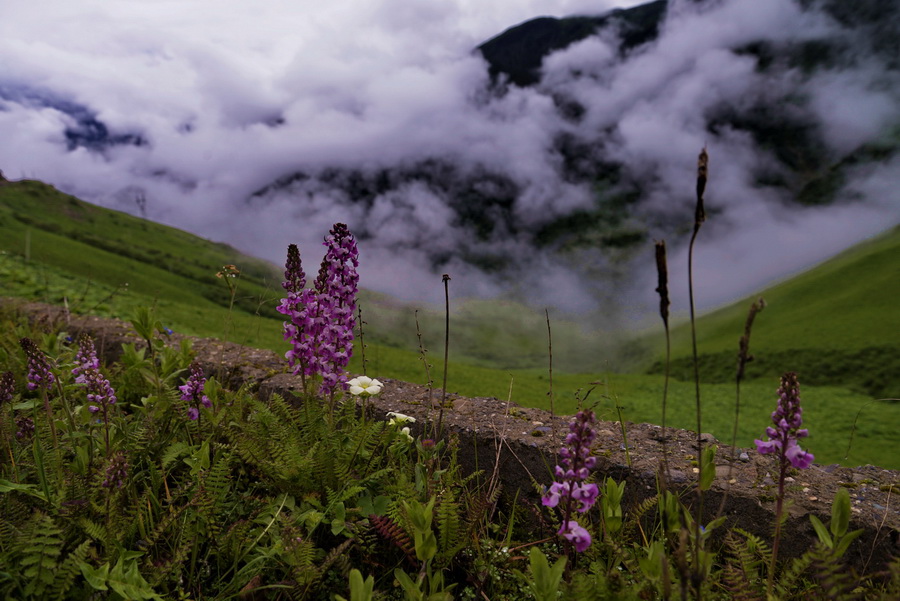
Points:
(446, 279)
(779, 505)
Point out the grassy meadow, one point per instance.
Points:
(835, 324)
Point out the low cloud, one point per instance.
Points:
(226, 98)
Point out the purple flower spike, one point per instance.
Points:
(86, 359)
(336, 287)
(116, 472)
(39, 374)
(787, 418)
(87, 373)
(7, 387)
(25, 427)
(570, 491)
(294, 278)
(192, 392)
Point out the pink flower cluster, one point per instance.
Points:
(192, 392)
(322, 318)
(787, 418)
(100, 393)
(570, 490)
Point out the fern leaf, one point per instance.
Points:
(68, 570)
(40, 553)
(389, 530)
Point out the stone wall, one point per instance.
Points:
(515, 447)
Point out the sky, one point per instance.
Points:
(228, 96)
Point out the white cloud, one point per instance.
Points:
(232, 95)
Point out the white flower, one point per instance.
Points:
(405, 432)
(364, 386)
(399, 418)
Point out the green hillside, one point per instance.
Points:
(60, 249)
(56, 248)
(836, 324)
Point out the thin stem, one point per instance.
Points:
(699, 218)
(744, 357)
(662, 289)
(446, 280)
(50, 418)
(362, 342)
(423, 353)
(779, 504)
(550, 353)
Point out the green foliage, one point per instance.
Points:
(360, 590)
(836, 537)
(545, 578)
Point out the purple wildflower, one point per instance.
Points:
(39, 374)
(336, 287)
(7, 387)
(298, 306)
(294, 278)
(192, 392)
(787, 418)
(25, 427)
(87, 373)
(576, 534)
(570, 490)
(85, 359)
(321, 319)
(116, 472)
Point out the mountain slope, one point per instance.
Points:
(836, 324)
(56, 248)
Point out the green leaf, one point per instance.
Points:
(95, 577)
(708, 467)
(360, 590)
(545, 578)
(821, 531)
(28, 489)
(841, 546)
(413, 592)
(840, 513)
(128, 582)
(338, 523)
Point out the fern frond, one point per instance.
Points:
(173, 452)
(837, 581)
(40, 551)
(69, 569)
(448, 526)
(94, 530)
(389, 530)
(334, 555)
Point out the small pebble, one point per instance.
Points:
(744, 457)
(696, 470)
(788, 479)
(677, 476)
(541, 431)
(814, 498)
